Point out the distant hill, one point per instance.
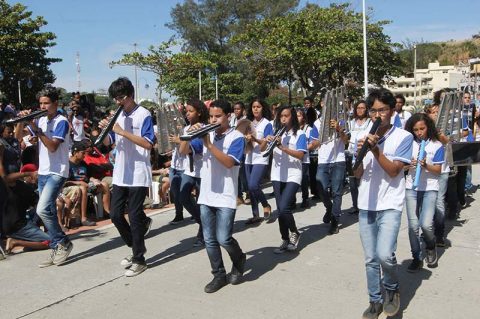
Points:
(453, 52)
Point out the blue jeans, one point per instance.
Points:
(354, 182)
(305, 180)
(332, 176)
(420, 212)
(49, 186)
(255, 174)
(379, 232)
(188, 201)
(175, 177)
(468, 179)
(439, 218)
(217, 223)
(284, 195)
(30, 232)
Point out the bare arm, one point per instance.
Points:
(138, 140)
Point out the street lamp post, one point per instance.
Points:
(200, 85)
(415, 75)
(365, 63)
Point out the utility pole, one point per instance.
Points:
(415, 75)
(136, 79)
(365, 63)
(200, 85)
(77, 62)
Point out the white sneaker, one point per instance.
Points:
(127, 261)
(135, 269)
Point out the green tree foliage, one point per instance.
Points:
(318, 47)
(209, 25)
(23, 52)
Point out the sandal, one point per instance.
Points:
(254, 220)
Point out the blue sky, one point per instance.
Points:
(103, 30)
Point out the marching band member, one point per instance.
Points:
(196, 113)
(286, 174)
(331, 174)
(421, 199)
(132, 174)
(255, 164)
(222, 151)
(53, 149)
(380, 201)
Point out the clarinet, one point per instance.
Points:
(271, 146)
(418, 168)
(26, 118)
(200, 132)
(363, 151)
(108, 128)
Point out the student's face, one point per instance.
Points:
(467, 99)
(47, 104)
(398, 105)
(361, 109)
(300, 117)
(379, 109)
(80, 155)
(238, 111)
(7, 133)
(217, 116)
(286, 117)
(192, 115)
(257, 110)
(420, 130)
(307, 104)
(433, 113)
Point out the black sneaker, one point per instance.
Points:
(148, 225)
(305, 203)
(327, 217)
(236, 275)
(333, 227)
(440, 242)
(176, 220)
(282, 248)
(432, 260)
(217, 283)
(391, 304)
(373, 311)
(415, 265)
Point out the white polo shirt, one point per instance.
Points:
(263, 128)
(355, 130)
(330, 152)
(286, 168)
(132, 162)
(219, 185)
(378, 191)
(399, 119)
(435, 154)
(57, 162)
(197, 160)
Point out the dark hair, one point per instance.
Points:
(355, 106)
(201, 109)
(401, 97)
(308, 98)
(242, 105)
(382, 95)
(222, 104)
(311, 116)
(293, 116)
(50, 92)
(266, 112)
(121, 86)
(417, 117)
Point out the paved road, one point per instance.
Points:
(325, 279)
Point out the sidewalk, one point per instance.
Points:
(324, 279)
